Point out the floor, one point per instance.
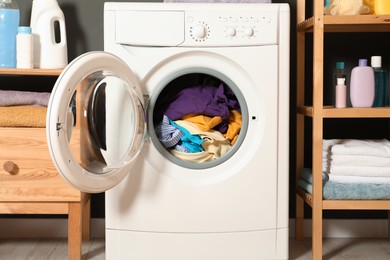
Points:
(56, 249)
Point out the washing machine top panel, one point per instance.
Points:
(96, 121)
(200, 25)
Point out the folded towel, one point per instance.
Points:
(356, 160)
(369, 171)
(366, 147)
(358, 179)
(306, 174)
(20, 98)
(23, 116)
(350, 191)
(217, 1)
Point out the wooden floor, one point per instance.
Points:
(56, 249)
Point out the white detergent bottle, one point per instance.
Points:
(49, 35)
(362, 85)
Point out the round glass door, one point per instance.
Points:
(96, 121)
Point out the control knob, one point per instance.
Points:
(249, 32)
(231, 32)
(199, 31)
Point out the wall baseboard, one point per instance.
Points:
(43, 228)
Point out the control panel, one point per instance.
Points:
(208, 28)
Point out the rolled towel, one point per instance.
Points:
(20, 98)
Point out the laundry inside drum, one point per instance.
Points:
(197, 118)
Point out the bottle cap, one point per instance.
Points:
(340, 65)
(24, 29)
(376, 61)
(340, 81)
(362, 62)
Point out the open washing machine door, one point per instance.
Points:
(95, 122)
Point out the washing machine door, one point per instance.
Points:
(95, 122)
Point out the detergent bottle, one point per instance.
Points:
(49, 35)
(362, 85)
(9, 22)
(382, 7)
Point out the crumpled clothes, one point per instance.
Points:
(234, 126)
(201, 100)
(214, 142)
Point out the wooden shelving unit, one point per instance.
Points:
(318, 25)
(29, 181)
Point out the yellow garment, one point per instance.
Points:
(204, 123)
(235, 123)
(23, 116)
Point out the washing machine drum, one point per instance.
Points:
(197, 118)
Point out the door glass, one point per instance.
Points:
(105, 123)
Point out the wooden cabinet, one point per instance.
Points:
(30, 183)
(319, 25)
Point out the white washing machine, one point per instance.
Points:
(163, 201)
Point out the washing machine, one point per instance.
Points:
(218, 73)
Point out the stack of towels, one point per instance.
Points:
(23, 108)
(357, 161)
(353, 169)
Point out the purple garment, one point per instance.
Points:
(205, 100)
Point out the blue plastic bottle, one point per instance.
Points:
(381, 85)
(9, 22)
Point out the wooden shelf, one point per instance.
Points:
(349, 23)
(346, 204)
(320, 26)
(30, 72)
(332, 112)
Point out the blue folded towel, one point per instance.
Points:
(346, 191)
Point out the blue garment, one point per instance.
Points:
(192, 142)
(168, 135)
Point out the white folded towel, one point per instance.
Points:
(356, 160)
(359, 171)
(367, 147)
(358, 179)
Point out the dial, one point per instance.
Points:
(231, 31)
(249, 32)
(200, 31)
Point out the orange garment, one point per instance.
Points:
(234, 126)
(203, 122)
